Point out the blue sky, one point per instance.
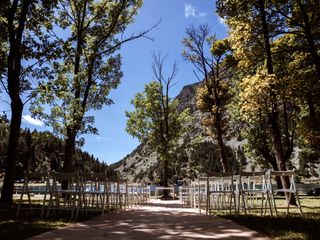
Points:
(114, 143)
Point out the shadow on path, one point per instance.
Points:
(157, 220)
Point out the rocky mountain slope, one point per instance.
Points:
(197, 158)
(142, 163)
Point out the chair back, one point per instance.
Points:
(253, 181)
(71, 181)
(282, 174)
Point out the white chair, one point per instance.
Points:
(94, 192)
(197, 194)
(34, 184)
(65, 193)
(253, 192)
(184, 194)
(201, 200)
(123, 202)
(289, 191)
(145, 193)
(133, 194)
(192, 194)
(221, 193)
(114, 194)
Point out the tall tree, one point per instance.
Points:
(300, 36)
(212, 96)
(156, 120)
(90, 69)
(22, 38)
(263, 102)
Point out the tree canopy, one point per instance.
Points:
(156, 120)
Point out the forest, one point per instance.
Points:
(40, 151)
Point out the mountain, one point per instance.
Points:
(201, 156)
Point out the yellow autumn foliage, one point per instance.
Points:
(242, 37)
(257, 93)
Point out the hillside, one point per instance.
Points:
(42, 151)
(201, 156)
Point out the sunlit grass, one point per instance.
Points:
(293, 226)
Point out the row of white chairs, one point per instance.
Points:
(76, 193)
(244, 192)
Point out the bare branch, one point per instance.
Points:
(132, 37)
(4, 86)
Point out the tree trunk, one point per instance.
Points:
(165, 177)
(278, 179)
(218, 125)
(10, 164)
(273, 116)
(223, 158)
(165, 173)
(281, 162)
(69, 151)
(316, 62)
(14, 67)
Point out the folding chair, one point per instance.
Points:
(201, 193)
(193, 194)
(114, 193)
(122, 194)
(252, 190)
(184, 193)
(145, 193)
(34, 184)
(132, 195)
(67, 199)
(221, 192)
(289, 192)
(94, 192)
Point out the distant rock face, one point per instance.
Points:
(187, 97)
(143, 164)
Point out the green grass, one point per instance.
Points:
(285, 227)
(282, 227)
(29, 224)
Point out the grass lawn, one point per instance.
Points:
(27, 224)
(293, 226)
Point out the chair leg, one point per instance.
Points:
(43, 205)
(269, 202)
(19, 205)
(299, 204)
(274, 204)
(244, 202)
(288, 203)
(262, 203)
(29, 199)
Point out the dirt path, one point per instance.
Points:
(157, 220)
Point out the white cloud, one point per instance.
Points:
(32, 121)
(191, 11)
(221, 20)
